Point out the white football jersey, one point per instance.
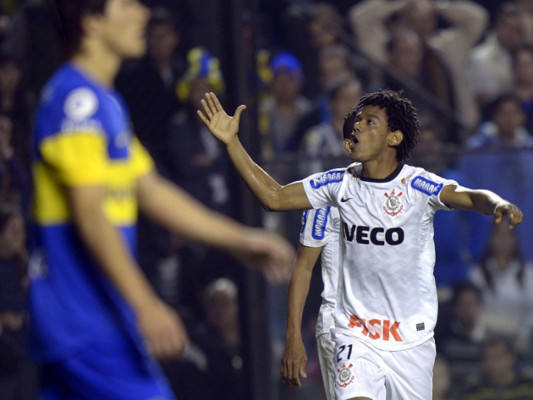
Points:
(320, 228)
(387, 294)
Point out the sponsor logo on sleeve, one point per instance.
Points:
(426, 186)
(319, 223)
(327, 178)
(80, 107)
(81, 104)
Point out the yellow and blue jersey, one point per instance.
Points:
(82, 138)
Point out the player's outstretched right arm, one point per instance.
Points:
(294, 359)
(270, 193)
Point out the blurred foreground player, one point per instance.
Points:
(96, 322)
(387, 299)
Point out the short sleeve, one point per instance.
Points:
(432, 185)
(321, 188)
(78, 158)
(315, 231)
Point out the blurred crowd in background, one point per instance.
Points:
(466, 65)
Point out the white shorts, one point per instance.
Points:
(364, 371)
(326, 355)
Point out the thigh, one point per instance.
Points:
(410, 372)
(107, 369)
(326, 356)
(358, 370)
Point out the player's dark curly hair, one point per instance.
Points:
(401, 115)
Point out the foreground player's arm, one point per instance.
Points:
(482, 201)
(294, 359)
(270, 193)
(160, 325)
(178, 212)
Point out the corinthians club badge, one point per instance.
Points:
(393, 203)
(345, 375)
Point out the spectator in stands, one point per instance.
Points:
(324, 140)
(460, 333)
(442, 388)
(18, 375)
(448, 31)
(190, 155)
(334, 63)
(523, 80)
(527, 16)
(489, 68)
(504, 128)
(502, 379)
(503, 162)
(34, 40)
(283, 105)
(149, 85)
(221, 374)
(15, 103)
(325, 25)
(193, 159)
(310, 29)
(411, 73)
(506, 282)
(14, 179)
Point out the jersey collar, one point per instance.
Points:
(389, 178)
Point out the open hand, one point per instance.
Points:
(221, 125)
(510, 210)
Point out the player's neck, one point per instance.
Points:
(99, 64)
(378, 169)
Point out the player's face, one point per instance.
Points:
(123, 28)
(371, 138)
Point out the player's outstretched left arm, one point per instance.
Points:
(482, 201)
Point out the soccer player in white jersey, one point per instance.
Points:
(387, 303)
(319, 235)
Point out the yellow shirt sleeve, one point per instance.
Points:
(78, 158)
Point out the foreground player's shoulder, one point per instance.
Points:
(63, 84)
(69, 103)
